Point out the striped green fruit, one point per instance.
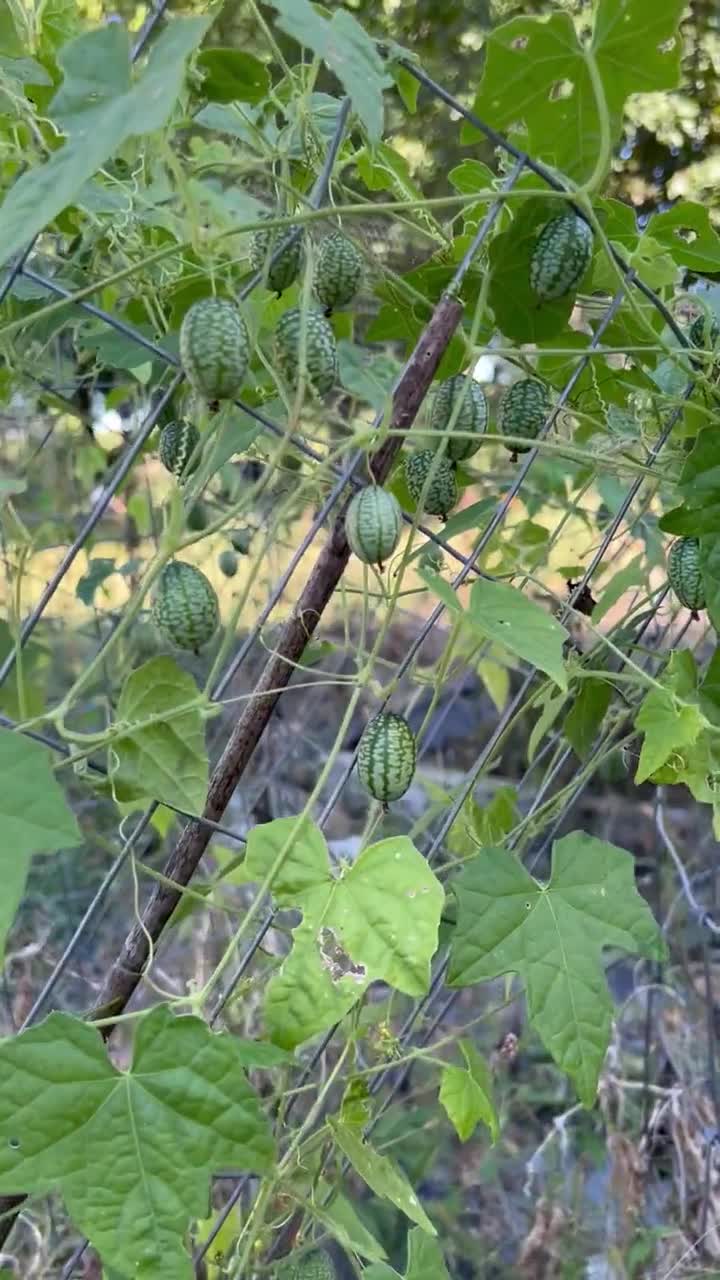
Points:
(561, 256)
(523, 412)
(214, 348)
(372, 524)
(338, 271)
(320, 366)
(684, 573)
(442, 493)
(317, 1265)
(472, 415)
(179, 442)
(284, 270)
(228, 563)
(185, 607)
(386, 757)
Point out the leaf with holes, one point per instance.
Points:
(552, 936)
(538, 73)
(688, 235)
(152, 1135)
(166, 759)
(34, 816)
(377, 921)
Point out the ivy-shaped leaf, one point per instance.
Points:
(466, 1095)
(668, 725)
(167, 759)
(34, 818)
(552, 936)
(377, 921)
(537, 72)
(132, 1151)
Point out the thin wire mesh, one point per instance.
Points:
(467, 562)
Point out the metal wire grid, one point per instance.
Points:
(129, 457)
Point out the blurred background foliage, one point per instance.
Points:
(672, 144)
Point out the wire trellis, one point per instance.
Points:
(435, 1005)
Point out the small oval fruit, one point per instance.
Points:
(185, 607)
(228, 563)
(386, 757)
(241, 539)
(560, 257)
(317, 1265)
(320, 364)
(338, 271)
(198, 517)
(684, 574)
(284, 270)
(471, 417)
(372, 524)
(523, 412)
(442, 492)
(179, 443)
(214, 348)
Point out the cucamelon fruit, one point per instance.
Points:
(241, 539)
(185, 607)
(179, 442)
(214, 348)
(198, 517)
(684, 574)
(317, 1265)
(228, 563)
(560, 256)
(523, 412)
(386, 757)
(372, 524)
(284, 270)
(441, 494)
(472, 416)
(320, 364)
(338, 271)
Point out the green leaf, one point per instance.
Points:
(689, 236)
(407, 86)
(586, 715)
(537, 73)
(668, 726)
(152, 1135)
(341, 1219)
(381, 1175)
(168, 759)
(347, 50)
(233, 76)
(377, 921)
(102, 109)
(97, 572)
(466, 1095)
(34, 818)
(425, 1258)
(552, 936)
(710, 570)
(518, 313)
(700, 486)
(366, 374)
(552, 704)
(508, 617)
